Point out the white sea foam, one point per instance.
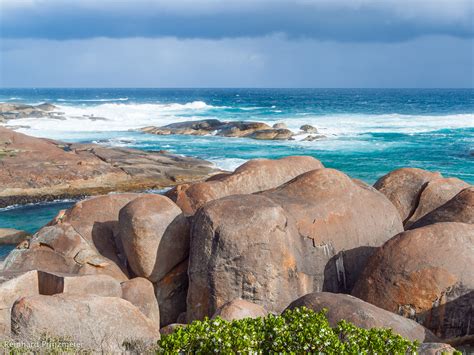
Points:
(228, 164)
(93, 100)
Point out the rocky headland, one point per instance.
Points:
(272, 235)
(242, 129)
(34, 169)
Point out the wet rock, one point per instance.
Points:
(313, 233)
(100, 323)
(35, 169)
(308, 128)
(253, 176)
(271, 134)
(403, 188)
(280, 125)
(239, 309)
(425, 274)
(9, 111)
(311, 138)
(459, 209)
(362, 314)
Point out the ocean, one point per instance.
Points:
(369, 132)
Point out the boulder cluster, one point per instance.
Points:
(243, 129)
(272, 235)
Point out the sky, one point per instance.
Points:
(237, 43)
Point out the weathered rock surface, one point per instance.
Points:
(425, 274)
(239, 309)
(96, 322)
(12, 236)
(435, 349)
(34, 169)
(280, 125)
(170, 328)
(253, 176)
(311, 234)
(403, 188)
(436, 193)
(247, 129)
(308, 128)
(12, 287)
(154, 235)
(140, 292)
(459, 209)
(9, 111)
(362, 314)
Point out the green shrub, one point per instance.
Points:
(295, 331)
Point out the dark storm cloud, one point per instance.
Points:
(339, 20)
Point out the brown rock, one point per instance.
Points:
(435, 349)
(280, 125)
(308, 128)
(425, 274)
(253, 176)
(239, 309)
(171, 293)
(313, 233)
(170, 328)
(99, 323)
(12, 236)
(362, 314)
(271, 134)
(436, 193)
(12, 287)
(100, 285)
(140, 292)
(403, 188)
(459, 209)
(35, 169)
(154, 235)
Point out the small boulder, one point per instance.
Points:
(459, 209)
(280, 125)
(170, 328)
(99, 323)
(435, 349)
(271, 134)
(403, 188)
(154, 234)
(140, 292)
(12, 236)
(308, 128)
(362, 314)
(239, 309)
(425, 274)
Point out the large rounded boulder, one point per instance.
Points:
(403, 188)
(311, 234)
(362, 314)
(253, 176)
(459, 209)
(154, 235)
(425, 274)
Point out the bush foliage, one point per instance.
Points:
(295, 331)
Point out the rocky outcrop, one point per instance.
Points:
(311, 234)
(425, 274)
(247, 129)
(362, 314)
(253, 176)
(435, 349)
(12, 236)
(459, 209)
(155, 236)
(403, 188)
(435, 194)
(239, 309)
(9, 111)
(34, 169)
(100, 323)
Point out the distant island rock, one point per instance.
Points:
(34, 169)
(9, 111)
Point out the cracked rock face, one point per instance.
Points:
(290, 247)
(425, 274)
(34, 169)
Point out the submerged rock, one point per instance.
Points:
(425, 274)
(35, 169)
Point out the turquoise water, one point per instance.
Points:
(369, 132)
